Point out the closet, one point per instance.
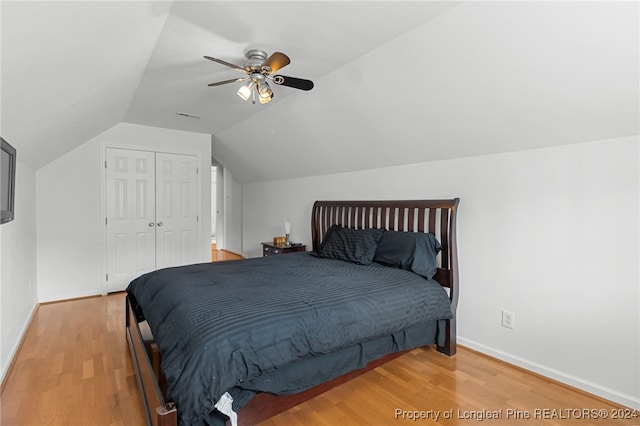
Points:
(151, 217)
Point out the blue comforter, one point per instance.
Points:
(220, 324)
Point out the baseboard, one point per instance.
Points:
(239, 253)
(4, 374)
(559, 376)
(69, 296)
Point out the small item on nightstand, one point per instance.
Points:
(287, 231)
(279, 241)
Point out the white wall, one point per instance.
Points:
(549, 234)
(232, 206)
(70, 216)
(18, 275)
(214, 207)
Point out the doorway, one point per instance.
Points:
(214, 204)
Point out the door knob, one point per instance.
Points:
(159, 223)
(151, 224)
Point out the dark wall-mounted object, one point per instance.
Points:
(7, 181)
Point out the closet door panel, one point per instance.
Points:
(130, 216)
(176, 209)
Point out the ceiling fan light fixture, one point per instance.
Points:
(245, 91)
(264, 99)
(265, 94)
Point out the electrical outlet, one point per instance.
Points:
(508, 319)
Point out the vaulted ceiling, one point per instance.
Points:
(395, 82)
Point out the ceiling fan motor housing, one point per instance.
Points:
(255, 58)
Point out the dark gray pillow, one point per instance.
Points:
(413, 251)
(351, 245)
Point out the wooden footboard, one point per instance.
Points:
(158, 412)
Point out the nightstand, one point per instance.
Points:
(269, 249)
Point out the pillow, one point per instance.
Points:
(351, 245)
(413, 251)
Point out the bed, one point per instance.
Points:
(262, 332)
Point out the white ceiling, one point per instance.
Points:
(396, 82)
(70, 70)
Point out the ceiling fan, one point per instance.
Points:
(258, 69)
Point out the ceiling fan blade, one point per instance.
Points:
(225, 63)
(296, 83)
(275, 62)
(233, 80)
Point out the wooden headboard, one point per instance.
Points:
(435, 216)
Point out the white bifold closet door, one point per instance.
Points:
(152, 213)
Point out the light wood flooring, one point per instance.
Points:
(73, 368)
(221, 255)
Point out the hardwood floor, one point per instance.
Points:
(424, 386)
(73, 368)
(220, 255)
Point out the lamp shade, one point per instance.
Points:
(245, 91)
